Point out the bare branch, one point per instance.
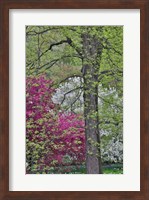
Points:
(77, 98)
(55, 44)
(72, 76)
(78, 88)
(52, 62)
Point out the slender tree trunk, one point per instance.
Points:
(90, 73)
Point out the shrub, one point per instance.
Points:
(52, 139)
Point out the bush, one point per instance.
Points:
(52, 139)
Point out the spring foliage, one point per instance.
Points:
(94, 56)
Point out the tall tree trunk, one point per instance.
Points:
(90, 74)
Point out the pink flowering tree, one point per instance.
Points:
(40, 119)
(53, 139)
(71, 127)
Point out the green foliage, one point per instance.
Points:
(81, 169)
(61, 52)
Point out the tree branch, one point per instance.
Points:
(67, 78)
(54, 44)
(77, 98)
(110, 122)
(51, 63)
(32, 33)
(69, 93)
(118, 106)
(76, 49)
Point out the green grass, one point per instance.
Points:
(113, 169)
(81, 169)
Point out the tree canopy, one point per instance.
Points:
(85, 64)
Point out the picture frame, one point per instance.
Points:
(5, 6)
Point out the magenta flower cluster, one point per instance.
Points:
(53, 138)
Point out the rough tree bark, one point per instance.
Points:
(92, 50)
